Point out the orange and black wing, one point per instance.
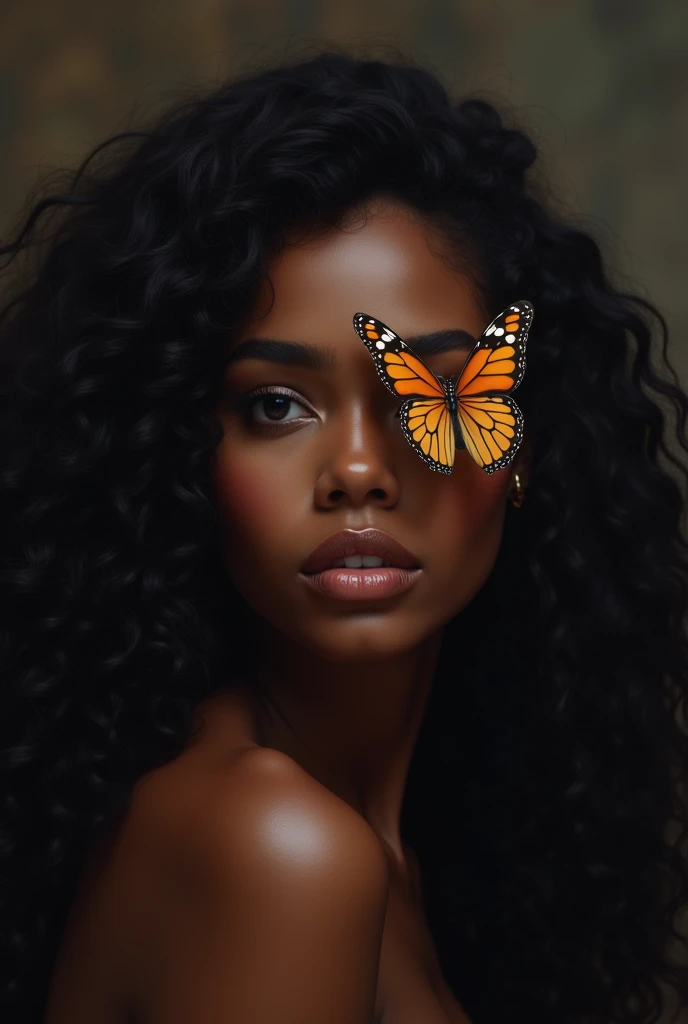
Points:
(491, 423)
(425, 416)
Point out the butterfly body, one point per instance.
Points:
(471, 409)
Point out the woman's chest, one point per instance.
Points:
(411, 988)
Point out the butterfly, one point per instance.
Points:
(472, 409)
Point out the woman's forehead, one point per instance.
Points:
(388, 268)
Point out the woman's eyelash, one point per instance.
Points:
(253, 398)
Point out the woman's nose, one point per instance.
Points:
(359, 466)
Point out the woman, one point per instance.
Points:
(230, 793)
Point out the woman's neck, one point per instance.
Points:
(353, 726)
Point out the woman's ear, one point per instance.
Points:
(522, 461)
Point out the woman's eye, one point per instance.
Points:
(274, 406)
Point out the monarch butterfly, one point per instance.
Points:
(470, 410)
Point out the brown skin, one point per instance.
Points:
(352, 679)
(202, 892)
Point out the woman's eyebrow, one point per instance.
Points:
(296, 353)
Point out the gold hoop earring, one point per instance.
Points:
(518, 492)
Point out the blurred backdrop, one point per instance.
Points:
(602, 84)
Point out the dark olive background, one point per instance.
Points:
(603, 84)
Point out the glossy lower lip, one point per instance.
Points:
(362, 584)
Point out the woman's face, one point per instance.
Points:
(331, 455)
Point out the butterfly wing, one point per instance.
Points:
(492, 429)
(425, 417)
(399, 369)
(491, 423)
(428, 428)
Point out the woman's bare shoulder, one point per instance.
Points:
(270, 877)
(258, 792)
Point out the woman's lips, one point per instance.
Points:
(362, 584)
(339, 546)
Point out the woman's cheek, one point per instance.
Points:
(248, 501)
(471, 523)
(483, 497)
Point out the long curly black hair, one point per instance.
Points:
(545, 797)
